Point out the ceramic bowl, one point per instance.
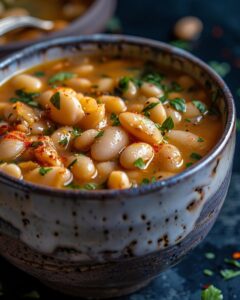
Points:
(92, 21)
(112, 242)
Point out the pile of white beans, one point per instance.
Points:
(84, 148)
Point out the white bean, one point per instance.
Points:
(191, 111)
(85, 140)
(12, 145)
(94, 119)
(104, 169)
(134, 152)
(118, 180)
(141, 127)
(51, 176)
(151, 90)
(83, 168)
(170, 158)
(12, 170)
(113, 104)
(110, 144)
(27, 82)
(79, 84)
(157, 114)
(65, 108)
(185, 140)
(62, 137)
(131, 91)
(105, 85)
(175, 115)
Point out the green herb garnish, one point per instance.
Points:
(61, 76)
(76, 132)
(100, 133)
(153, 78)
(39, 73)
(148, 181)
(43, 171)
(222, 68)
(24, 97)
(200, 140)
(179, 104)
(211, 293)
(147, 109)
(232, 262)
(63, 141)
(36, 144)
(139, 163)
(72, 163)
(167, 125)
(200, 106)
(210, 255)
(115, 120)
(90, 186)
(195, 156)
(189, 164)
(123, 83)
(208, 272)
(181, 44)
(55, 100)
(229, 274)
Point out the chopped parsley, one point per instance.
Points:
(55, 100)
(179, 104)
(222, 68)
(174, 87)
(167, 125)
(189, 164)
(148, 181)
(90, 186)
(195, 156)
(200, 106)
(200, 140)
(153, 78)
(76, 132)
(232, 262)
(210, 255)
(123, 83)
(24, 97)
(208, 272)
(63, 141)
(147, 109)
(36, 144)
(163, 99)
(61, 76)
(39, 73)
(181, 44)
(100, 133)
(139, 163)
(212, 293)
(115, 120)
(48, 131)
(229, 274)
(72, 163)
(43, 171)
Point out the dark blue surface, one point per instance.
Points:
(156, 18)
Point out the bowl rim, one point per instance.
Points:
(81, 21)
(143, 189)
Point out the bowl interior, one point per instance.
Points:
(158, 53)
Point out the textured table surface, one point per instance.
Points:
(184, 282)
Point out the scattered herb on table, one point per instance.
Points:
(238, 124)
(114, 25)
(229, 274)
(181, 44)
(222, 68)
(210, 255)
(208, 272)
(212, 293)
(24, 97)
(233, 262)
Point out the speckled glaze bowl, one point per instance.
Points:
(112, 242)
(92, 21)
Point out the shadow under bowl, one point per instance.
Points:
(107, 243)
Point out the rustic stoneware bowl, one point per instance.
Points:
(92, 21)
(112, 242)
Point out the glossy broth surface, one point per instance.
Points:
(97, 123)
